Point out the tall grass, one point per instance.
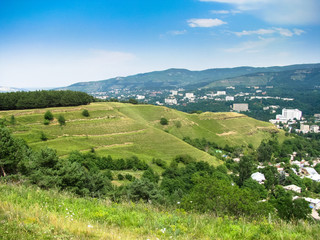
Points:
(31, 213)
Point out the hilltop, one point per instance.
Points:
(219, 77)
(124, 130)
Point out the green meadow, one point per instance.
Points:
(124, 130)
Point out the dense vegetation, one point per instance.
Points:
(193, 185)
(42, 99)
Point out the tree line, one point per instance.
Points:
(43, 99)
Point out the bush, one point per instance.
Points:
(163, 121)
(178, 124)
(159, 162)
(46, 122)
(85, 113)
(129, 177)
(12, 120)
(48, 116)
(120, 177)
(43, 137)
(62, 120)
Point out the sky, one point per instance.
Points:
(55, 43)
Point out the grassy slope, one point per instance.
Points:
(31, 213)
(123, 130)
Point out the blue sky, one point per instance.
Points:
(55, 43)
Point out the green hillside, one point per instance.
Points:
(32, 213)
(177, 78)
(123, 130)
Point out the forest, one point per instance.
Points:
(43, 99)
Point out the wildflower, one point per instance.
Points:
(178, 202)
(90, 226)
(163, 230)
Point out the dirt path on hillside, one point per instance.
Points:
(226, 133)
(102, 135)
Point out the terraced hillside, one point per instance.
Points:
(123, 130)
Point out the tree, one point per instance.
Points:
(163, 121)
(12, 152)
(85, 113)
(12, 120)
(245, 168)
(61, 120)
(43, 137)
(133, 101)
(48, 116)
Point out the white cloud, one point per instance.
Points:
(177, 32)
(258, 32)
(282, 31)
(205, 22)
(251, 46)
(225, 11)
(298, 31)
(291, 12)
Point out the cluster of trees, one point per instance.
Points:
(43, 99)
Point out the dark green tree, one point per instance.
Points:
(85, 113)
(48, 116)
(163, 121)
(61, 120)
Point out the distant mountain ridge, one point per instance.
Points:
(218, 77)
(11, 89)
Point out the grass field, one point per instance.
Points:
(31, 213)
(123, 130)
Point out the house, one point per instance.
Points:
(313, 203)
(259, 177)
(293, 188)
(314, 128)
(304, 128)
(140, 97)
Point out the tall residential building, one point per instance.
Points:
(289, 114)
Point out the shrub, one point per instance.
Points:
(62, 120)
(48, 116)
(46, 122)
(178, 124)
(120, 177)
(85, 113)
(12, 120)
(163, 121)
(43, 137)
(129, 177)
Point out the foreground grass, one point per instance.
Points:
(31, 213)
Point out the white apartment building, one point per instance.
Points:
(289, 114)
(229, 98)
(219, 93)
(170, 101)
(240, 107)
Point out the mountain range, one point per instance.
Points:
(298, 76)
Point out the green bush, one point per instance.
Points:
(48, 115)
(120, 177)
(62, 120)
(85, 113)
(163, 121)
(43, 137)
(46, 122)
